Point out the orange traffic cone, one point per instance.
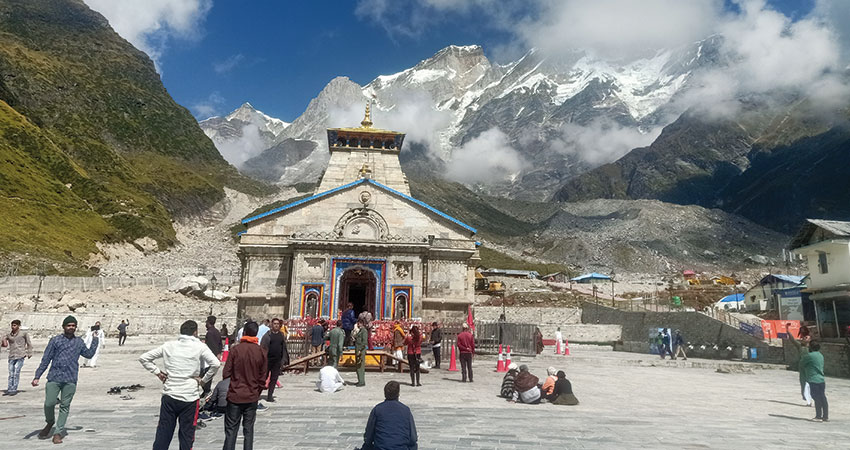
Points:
(500, 364)
(557, 347)
(566, 347)
(226, 351)
(453, 362)
(508, 359)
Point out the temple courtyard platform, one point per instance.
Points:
(627, 401)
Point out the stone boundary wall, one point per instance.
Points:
(697, 329)
(835, 358)
(46, 324)
(549, 319)
(28, 285)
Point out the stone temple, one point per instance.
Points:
(362, 239)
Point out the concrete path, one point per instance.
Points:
(627, 401)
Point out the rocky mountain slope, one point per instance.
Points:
(456, 96)
(93, 147)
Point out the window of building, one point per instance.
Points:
(823, 266)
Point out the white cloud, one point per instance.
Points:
(601, 141)
(228, 64)
(209, 106)
(248, 145)
(149, 24)
(487, 158)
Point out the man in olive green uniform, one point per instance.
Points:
(337, 337)
(360, 341)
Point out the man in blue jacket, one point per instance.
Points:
(349, 318)
(62, 355)
(390, 424)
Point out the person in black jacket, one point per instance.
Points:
(436, 341)
(274, 343)
(213, 341)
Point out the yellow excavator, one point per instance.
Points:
(485, 286)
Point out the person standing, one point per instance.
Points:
(20, 348)
(559, 339)
(414, 353)
(436, 343)
(247, 368)
(277, 355)
(665, 345)
(466, 348)
(679, 343)
(212, 339)
(349, 318)
(802, 349)
(317, 337)
(391, 423)
(122, 332)
(812, 364)
(264, 328)
(62, 355)
(94, 333)
(336, 337)
(398, 343)
(181, 384)
(361, 340)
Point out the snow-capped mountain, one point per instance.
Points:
(540, 105)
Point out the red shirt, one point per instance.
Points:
(465, 342)
(414, 347)
(247, 368)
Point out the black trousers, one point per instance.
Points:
(436, 357)
(819, 396)
(413, 362)
(207, 387)
(172, 411)
(466, 365)
(122, 337)
(273, 374)
(236, 412)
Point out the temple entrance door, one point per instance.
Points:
(357, 286)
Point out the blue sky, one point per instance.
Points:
(279, 55)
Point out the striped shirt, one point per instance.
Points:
(64, 353)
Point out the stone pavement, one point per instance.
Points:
(627, 401)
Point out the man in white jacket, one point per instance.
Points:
(181, 389)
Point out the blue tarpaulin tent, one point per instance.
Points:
(589, 277)
(734, 301)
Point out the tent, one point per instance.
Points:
(590, 278)
(734, 301)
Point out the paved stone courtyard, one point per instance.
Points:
(627, 401)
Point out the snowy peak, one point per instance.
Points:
(248, 114)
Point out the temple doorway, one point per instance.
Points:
(357, 286)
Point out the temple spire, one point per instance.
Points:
(367, 120)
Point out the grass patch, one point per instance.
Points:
(495, 259)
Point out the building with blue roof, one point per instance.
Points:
(764, 295)
(361, 239)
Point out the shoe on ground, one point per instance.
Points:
(57, 438)
(45, 432)
(419, 384)
(5, 393)
(270, 399)
(12, 394)
(824, 420)
(817, 419)
(360, 385)
(261, 407)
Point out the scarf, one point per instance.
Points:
(400, 330)
(249, 339)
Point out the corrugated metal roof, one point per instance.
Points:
(591, 276)
(355, 183)
(793, 279)
(804, 235)
(837, 227)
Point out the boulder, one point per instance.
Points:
(194, 285)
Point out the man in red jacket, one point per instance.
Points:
(246, 367)
(466, 347)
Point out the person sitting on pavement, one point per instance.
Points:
(548, 388)
(329, 379)
(508, 382)
(216, 403)
(390, 424)
(563, 394)
(526, 386)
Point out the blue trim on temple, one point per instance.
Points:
(355, 183)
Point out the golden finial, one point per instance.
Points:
(367, 121)
(365, 171)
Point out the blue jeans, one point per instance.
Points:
(14, 374)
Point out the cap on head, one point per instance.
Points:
(69, 319)
(465, 326)
(551, 371)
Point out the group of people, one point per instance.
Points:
(520, 385)
(673, 346)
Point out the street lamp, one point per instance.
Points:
(612, 288)
(213, 283)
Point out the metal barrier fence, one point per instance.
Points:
(520, 336)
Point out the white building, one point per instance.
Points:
(826, 246)
(761, 297)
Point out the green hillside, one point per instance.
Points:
(93, 147)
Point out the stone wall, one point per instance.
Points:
(550, 319)
(835, 358)
(697, 329)
(40, 324)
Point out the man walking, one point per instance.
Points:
(122, 332)
(246, 367)
(812, 364)
(274, 343)
(181, 384)
(436, 343)
(337, 338)
(213, 340)
(665, 345)
(20, 347)
(679, 343)
(466, 348)
(361, 340)
(391, 423)
(62, 355)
